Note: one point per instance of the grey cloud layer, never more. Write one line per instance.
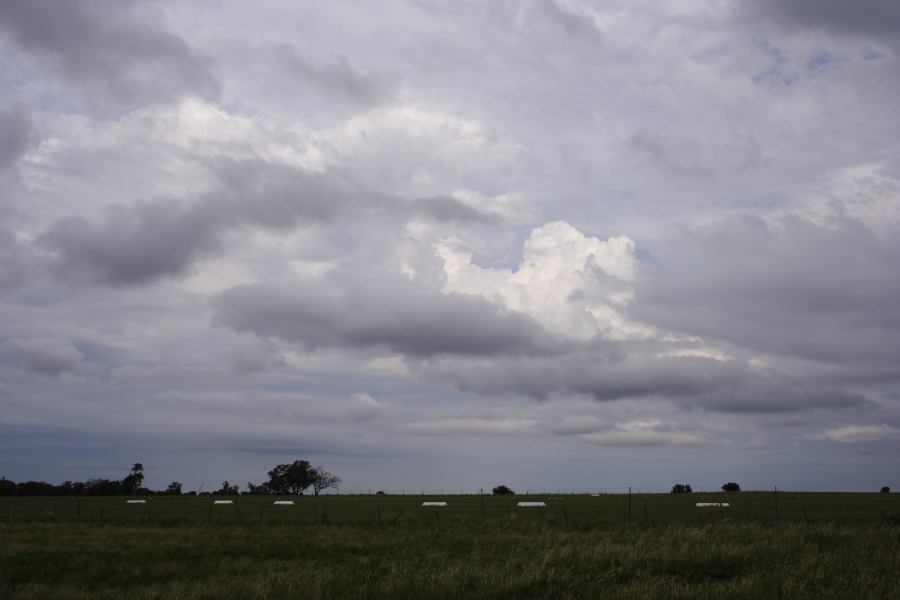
(109, 50)
(16, 132)
(290, 223)
(366, 310)
(791, 288)
(861, 17)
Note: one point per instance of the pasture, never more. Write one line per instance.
(819, 546)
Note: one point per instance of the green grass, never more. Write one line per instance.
(606, 509)
(467, 550)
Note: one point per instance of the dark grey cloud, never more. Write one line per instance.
(17, 261)
(146, 241)
(135, 244)
(864, 17)
(446, 209)
(792, 288)
(16, 134)
(117, 53)
(359, 310)
(43, 356)
(689, 381)
(337, 77)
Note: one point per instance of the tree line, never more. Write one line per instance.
(288, 479)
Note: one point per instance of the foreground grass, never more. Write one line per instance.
(448, 560)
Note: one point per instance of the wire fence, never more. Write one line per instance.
(554, 507)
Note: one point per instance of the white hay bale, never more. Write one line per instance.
(283, 503)
(135, 502)
(223, 501)
(531, 504)
(712, 504)
(434, 504)
(595, 495)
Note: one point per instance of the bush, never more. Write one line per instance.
(379, 493)
(885, 490)
(502, 490)
(682, 488)
(731, 487)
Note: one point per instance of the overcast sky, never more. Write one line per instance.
(446, 245)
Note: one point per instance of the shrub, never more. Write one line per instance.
(502, 490)
(885, 490)
(682, 488)
(731, 487)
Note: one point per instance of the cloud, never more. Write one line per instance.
(569, 282)
(44, 356)
(789, 287)
(358, 310)
(862, 17)
(471, 426)
(134, 244)
(16, 134)
(145, 241)
(335, 78)
(646, 433)
(860, 433)
(115, 53)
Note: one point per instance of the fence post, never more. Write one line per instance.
(805, 516)
(629, 504)
(78, 509)
(776, 502)
(483, 509)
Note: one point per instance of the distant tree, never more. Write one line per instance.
(502, 490)
(322, 479)
(7, 487)
(731, 487)
(103, 487)
(132, 482)
(228, 489)
(885, 490)
(291, 478)
(258, 490)
(35, 488)
(682, 488)
(174, 489)
(380, 493)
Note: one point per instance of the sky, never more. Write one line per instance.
(435, 245)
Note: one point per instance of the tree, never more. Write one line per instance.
(682, 488)
(291, 479)
(322, 479)
(258, 490)
(7, 487)
(228, 489)
(132, 482)
(174, 489)
(502, 490)
(731, 487)
(885, 490)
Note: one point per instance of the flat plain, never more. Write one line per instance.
(822, 545)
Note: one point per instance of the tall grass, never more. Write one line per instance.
(448, 559)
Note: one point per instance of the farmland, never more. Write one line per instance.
(819, 545)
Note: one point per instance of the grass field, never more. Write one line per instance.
(845, 546)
